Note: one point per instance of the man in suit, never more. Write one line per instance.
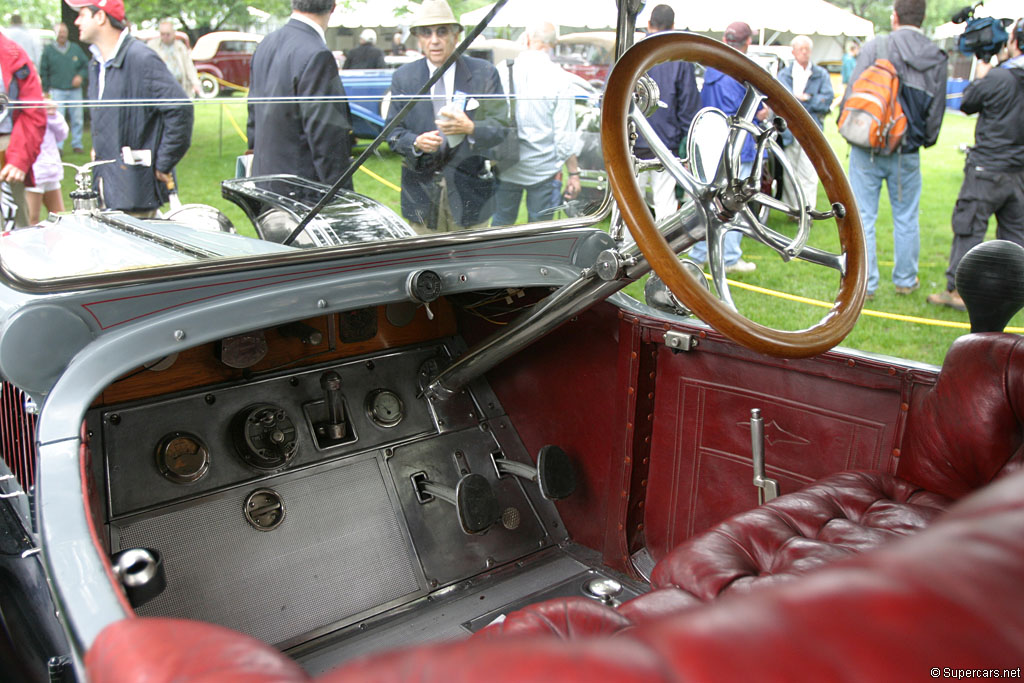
(309, 136)
(447, 183)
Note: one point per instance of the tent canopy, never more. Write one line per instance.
(593, 14)
(810, 17)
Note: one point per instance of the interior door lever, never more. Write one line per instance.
(767, 489)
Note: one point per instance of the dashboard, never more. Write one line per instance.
(294, 480)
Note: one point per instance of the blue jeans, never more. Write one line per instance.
(540, 198)
(733, 252)
(902, 175)
(72, 112)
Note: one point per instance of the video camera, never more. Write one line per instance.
(983, 37)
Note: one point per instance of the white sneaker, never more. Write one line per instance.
(741, 266)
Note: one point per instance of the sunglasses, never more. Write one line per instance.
(442, 31)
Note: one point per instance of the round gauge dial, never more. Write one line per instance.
(243, 350)
(265, 436)
(424, 286)
(385, 407)
(183, 458)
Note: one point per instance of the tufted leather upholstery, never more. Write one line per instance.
(840, 515)
(969, 429)
(948, 597)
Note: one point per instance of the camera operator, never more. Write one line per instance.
(994, 172)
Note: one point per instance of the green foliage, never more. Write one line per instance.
(34, 13)
(202, 16)
(938, 11)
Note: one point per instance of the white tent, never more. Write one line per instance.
(1009, 9)
(829, 26)
(593, 14)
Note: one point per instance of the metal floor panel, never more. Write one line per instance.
(442, 619)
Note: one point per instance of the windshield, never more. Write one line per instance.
(249, 131)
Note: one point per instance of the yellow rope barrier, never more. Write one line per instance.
(383, 181)
(866, 311)
(234, 124)
(732, 283)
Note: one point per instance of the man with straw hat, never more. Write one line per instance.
(447, 184)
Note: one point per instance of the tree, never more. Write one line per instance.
(202, 16)
(938, 12)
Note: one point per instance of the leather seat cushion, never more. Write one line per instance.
(838, 516)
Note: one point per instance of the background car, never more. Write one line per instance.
(222, 61)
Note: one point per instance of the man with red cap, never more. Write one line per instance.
(21, 130)
(157, 137)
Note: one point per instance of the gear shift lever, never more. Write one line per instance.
(335, 426)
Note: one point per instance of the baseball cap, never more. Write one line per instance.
(113, 8)
(737, 32)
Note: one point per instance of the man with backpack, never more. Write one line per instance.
(994, 171)
(921, 70)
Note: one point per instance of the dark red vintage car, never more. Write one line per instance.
(330, 448)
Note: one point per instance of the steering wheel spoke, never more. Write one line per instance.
(725, 199)
(669, 161)
(751, 226)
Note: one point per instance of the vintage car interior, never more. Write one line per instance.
(340, 451)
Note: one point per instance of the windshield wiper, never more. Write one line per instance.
(329, 195)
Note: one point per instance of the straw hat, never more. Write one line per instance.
(434, 13)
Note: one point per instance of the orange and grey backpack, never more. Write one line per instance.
(872, 116)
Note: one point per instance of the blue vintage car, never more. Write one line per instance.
(366, 89)
(314, 444)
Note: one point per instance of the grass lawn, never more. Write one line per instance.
(218, 139)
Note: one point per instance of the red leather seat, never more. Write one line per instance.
(947, 598)
(938, 589)
(963, 433)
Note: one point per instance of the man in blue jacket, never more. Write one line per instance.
(308, 133)
(447, 184)
(123, 68)
(726, 93)
(810, 84)
(677, 88)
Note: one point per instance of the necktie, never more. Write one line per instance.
(439, 97)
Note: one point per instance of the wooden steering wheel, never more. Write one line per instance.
(615, 139)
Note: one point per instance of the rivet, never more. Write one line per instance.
(179, 335)
(321, 303)
(895, 452)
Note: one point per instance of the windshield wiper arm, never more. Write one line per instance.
(436, 76)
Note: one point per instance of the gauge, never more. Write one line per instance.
(423, 286)
(264, 436)
(243, 350)
(429, 371)
(183, 458)
(384, 407)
